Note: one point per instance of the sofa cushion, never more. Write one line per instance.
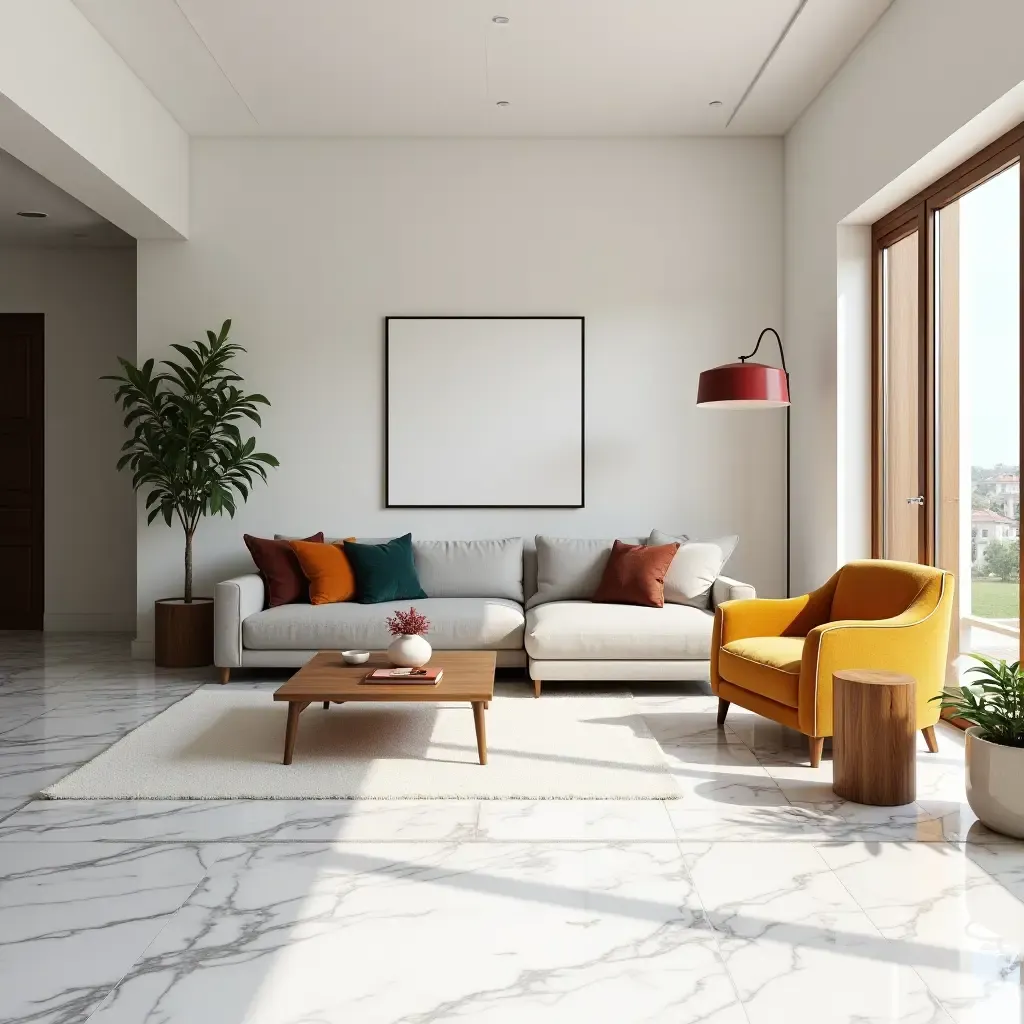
(456, 623)
(471, 568)
(582, 630)
(768, 665)
(695, 567)
(570, 568)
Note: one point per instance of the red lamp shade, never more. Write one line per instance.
(743, 386)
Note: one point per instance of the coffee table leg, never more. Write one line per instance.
(292, 727)
(481, 730)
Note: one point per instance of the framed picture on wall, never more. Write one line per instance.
(484, 411)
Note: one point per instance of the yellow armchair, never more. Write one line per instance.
(776, 658)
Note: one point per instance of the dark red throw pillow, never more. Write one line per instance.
(283, 581)
(635, 574)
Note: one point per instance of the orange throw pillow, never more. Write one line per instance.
(635, 574)
(327, 569)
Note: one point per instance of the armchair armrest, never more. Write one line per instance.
(233, 602)
(914, 642)
(725, 589)
(791, 616)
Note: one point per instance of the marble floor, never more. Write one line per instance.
(757, 897)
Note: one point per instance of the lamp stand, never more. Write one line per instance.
(782, 356)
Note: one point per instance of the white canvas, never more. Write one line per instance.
(485, 411)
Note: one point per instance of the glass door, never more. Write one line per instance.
(976, 267)
(947, 392)
(902, 531)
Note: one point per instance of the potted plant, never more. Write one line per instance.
(408, 649)
(995, 743)
(187, 452)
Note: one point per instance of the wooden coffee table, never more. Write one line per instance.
(468, 676)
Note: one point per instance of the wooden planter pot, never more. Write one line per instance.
(184, 632)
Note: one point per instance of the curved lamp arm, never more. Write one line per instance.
(782, 351)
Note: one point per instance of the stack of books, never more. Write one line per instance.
(426, 676)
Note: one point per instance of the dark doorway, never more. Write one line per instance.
(21, 471)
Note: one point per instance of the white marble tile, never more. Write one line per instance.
(1002, 861)
(74, 917)
(682, 724)
(574, 821)
(713, 774)
(795, 943)
(491, 933)
(771, 742)
(9, 805)
(251, 821)
(961, 930)
(805, 822)
(735, 823)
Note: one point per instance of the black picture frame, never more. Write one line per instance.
(388, 503)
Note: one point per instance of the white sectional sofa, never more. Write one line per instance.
(486, 595)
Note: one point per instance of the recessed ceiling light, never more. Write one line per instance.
(32, 214)
(500, 19)
(715, 103)
(502, 103)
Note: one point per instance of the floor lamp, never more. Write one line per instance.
(746, 385)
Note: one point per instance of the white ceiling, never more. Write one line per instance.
(68, 222)
(438, 67)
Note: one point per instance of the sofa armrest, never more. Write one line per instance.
(233, 602)
(725, 589)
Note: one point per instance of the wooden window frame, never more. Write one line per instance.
(918, 214)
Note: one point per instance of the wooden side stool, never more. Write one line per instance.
(874, 715)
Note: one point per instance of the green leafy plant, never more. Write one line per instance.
(996, 704)
(186, 449)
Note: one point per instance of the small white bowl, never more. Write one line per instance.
(355, 657)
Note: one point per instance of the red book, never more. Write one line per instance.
(423, 676)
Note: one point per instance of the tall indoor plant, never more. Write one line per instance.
(995, 742)
(187, 453)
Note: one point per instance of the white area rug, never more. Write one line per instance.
(218, 744)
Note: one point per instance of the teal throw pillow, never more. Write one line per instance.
(384, 572)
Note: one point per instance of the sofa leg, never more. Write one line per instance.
(815, 744)
(931, 739)
(723, 710)
(225, 675)
(536, 687)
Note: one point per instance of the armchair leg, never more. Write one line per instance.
(931, 739)
(723, 710)
(815, 744)
(225, 674)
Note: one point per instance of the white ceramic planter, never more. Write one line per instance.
(994, 789)
(409, 651)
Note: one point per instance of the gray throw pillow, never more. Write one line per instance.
(696, 566)
(569, 568)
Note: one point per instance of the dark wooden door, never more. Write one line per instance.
(21, 471)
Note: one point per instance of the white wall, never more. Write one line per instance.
(72, 110)
(923, 73)
(672, 249)
(88, 299)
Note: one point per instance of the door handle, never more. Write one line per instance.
(919, 500)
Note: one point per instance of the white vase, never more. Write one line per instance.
(994, 789)
(409, 651)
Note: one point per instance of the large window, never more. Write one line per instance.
(947, 402)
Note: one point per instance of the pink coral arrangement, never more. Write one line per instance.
(410, 623)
